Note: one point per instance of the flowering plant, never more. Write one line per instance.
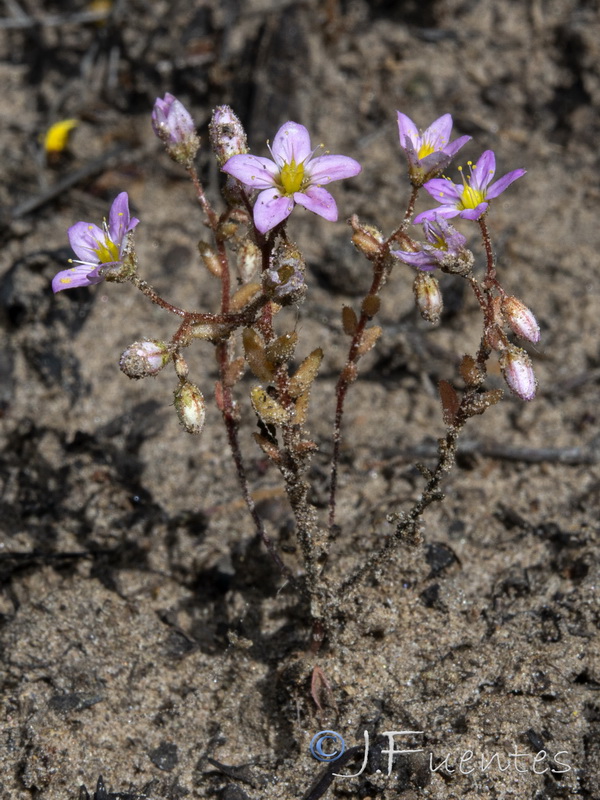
(430, 152)
(101, 251)
(471, 198)
(293, 176)
(444, 245)
(272, 275)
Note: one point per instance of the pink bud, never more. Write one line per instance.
(190, 407)
(428, 296)
(174, 126)
(520, 319)
(518, 373)
(143, 359)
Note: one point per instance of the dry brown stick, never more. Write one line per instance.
(587, 454)
(95, 166)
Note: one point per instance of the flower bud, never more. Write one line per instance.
(174, 126)
(227, 135)
(520, 319)
(190, 407)
(428, 296)
(518, 372)
(142, 359)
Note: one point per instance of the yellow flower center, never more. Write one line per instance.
(439, 242)
(425, 150)
(291, 177)
(107, 251)
(471, 197)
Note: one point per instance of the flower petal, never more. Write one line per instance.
(504, 182)
(438, 133)
(160, 111)
(332, 168)
(434, 163)
(452, 149)
(85, 238)
(271, 208)
(407, 129)
(252, 171)
(119, 220)
(444, 191)
(421, 260)
(319, 201)
(291, 143)
(79, 275)
(171, 120)
(447, 212)
(483, 171)
(474, 213)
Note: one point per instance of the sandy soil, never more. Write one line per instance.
(145, 636)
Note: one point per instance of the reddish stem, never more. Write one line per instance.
(211, 216)
(487, 243)
(344, 381)
(228, 406)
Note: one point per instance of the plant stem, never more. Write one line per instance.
(380, 272)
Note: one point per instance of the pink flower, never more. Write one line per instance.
(100, 250)
(470, 199)
(291, 177)
(444, 245)
(430, 152)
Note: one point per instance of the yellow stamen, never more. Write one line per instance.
(107, 251)
(291, 177)
(440, 243)
(471, 197)
(425, 150)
